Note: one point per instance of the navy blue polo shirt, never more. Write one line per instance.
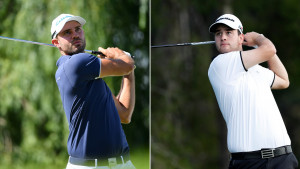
(94, 123)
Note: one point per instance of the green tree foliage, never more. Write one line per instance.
(187, 130)
(33, 126)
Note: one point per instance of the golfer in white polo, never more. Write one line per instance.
(257, 137)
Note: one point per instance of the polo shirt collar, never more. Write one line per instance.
(62, 59)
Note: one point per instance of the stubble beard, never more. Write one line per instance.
(76, 48)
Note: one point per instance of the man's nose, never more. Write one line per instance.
(75, 34)
(223, 36)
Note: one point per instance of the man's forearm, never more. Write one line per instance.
(277, 67)
(126, 96)
(115, 62)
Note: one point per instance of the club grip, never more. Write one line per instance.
(94, 52)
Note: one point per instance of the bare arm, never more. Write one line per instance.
(125, 100)
(265, 51)
(115, 62)
(281, 76)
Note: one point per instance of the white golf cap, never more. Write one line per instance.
(59, 22)
(229, 20)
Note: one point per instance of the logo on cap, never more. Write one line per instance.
(61, 19)
(225, 18)
(240, 28)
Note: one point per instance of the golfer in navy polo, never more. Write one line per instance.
(94, 114)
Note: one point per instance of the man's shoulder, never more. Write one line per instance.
(62, 60)
(223, 58)
(81, 59)
(73, 58)
(81, 56)
(77, 63)
(229, 54)
(226, 63)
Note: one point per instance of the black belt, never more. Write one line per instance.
(99, 162)
(263, 153)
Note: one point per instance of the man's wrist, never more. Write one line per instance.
(259, 39)
(129, 75)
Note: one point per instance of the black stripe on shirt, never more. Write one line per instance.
(273, 80)
(242, 61)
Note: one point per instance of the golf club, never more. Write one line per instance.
(184, 44)
(46, 44)
(190, 44)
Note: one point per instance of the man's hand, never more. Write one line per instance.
(264, 52)
(115, 62)
(112, 53)
(253, 39)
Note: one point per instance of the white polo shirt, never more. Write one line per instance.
(247, 104)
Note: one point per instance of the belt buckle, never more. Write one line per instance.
(112, 162)
(267, 153)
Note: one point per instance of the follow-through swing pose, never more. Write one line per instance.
(257, 137)
(94, 114)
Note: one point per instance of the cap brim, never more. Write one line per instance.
(213, 27)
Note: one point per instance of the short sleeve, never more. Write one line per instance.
(266, 74)
(99, 67)
(82, 67)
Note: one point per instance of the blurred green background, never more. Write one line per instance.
(187, 129)
(33, 126)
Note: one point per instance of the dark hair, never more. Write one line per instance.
(213, 29)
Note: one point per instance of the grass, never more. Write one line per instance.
(138, 156)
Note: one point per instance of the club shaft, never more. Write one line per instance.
(46, 44)
(184, 44)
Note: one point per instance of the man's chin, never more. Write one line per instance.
(75, 52)
(225, 50)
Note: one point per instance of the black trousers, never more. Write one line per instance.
(287, 161)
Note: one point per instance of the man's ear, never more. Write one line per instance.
(55, 42)
(241, 38)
